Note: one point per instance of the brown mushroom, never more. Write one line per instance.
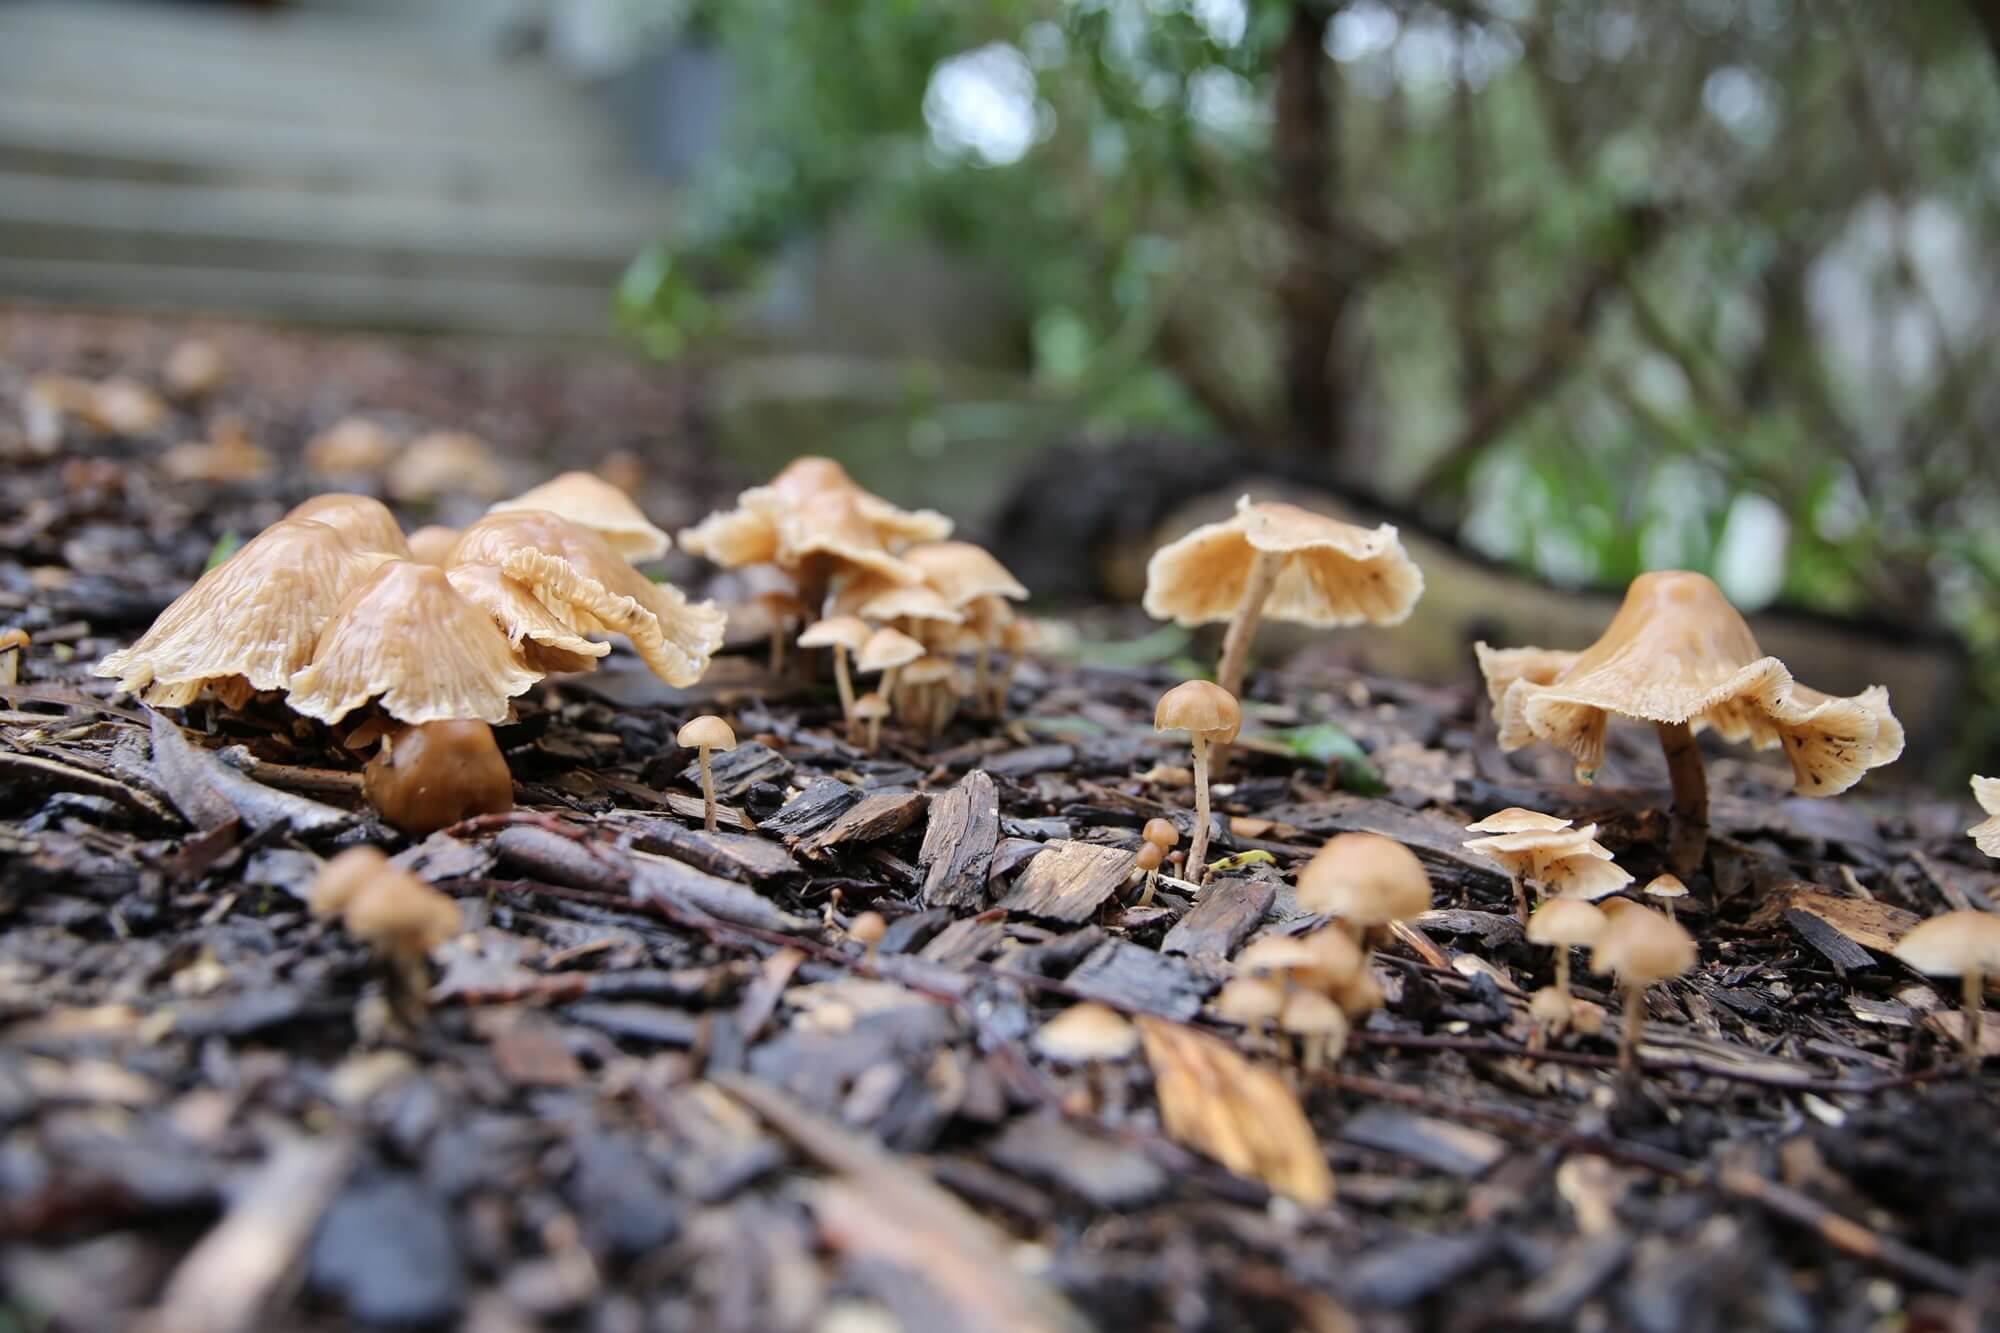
(1666, 890)
(14, 641)
(366, 521)
(1640, 947)
(1085, 1034)
(432, 775)
(195, 368)
(1281, 561)
(1210, 716)
(1551, 1009)
(706, 734)
(1963, 944)
(228, 455)
(1319, 1023)
(592, 502)
(341, 877)
(1564, 924)
(843, 634)
(1537, 849)
(886, 651)
(868, 930)
(1150, 858)
(926, 694)
(401, 919)
(1678, 655)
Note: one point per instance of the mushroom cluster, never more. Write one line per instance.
(1545, 852)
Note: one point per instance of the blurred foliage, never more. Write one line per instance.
(1619, 283)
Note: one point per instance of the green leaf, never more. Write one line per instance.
(225, 546)
(1327, 745)
(1164, 643)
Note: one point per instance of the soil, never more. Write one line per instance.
(656, 1085)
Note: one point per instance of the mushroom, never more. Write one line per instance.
(14, 641)
(1320, 1025)
(867, 928)
(1210, 715)
(575, 573)
(256, 616)
(886, 651)
(1641, 947)
(1564, 924)
(872, 708)
(1366, 880)
(194, 368)
(405, 636)
(1150, 858)
(1253, 1001)
(401, 919)
(1667, 889)
(777, 597)
(432, 544)
(1086, 1033)
(1678, 655)
(976, 585)
(706, 734)
(1986, 833)
(1551, 1009)
(1542, 850)
(1963, 944)
(1161, 836)
(926, 693)
(366, 521)
(124, 407)
(341, 877)
(351, 446)
(432, 775)
(229, 455)
(543, 641)
(843, 634)
(445, 463)
(1284, 562)
(592, 502)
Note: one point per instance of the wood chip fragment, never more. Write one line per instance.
(879, 815)
(1216, 1102)
(1870, 924)
(959, 840)
(1222, 919)
(1068, 881)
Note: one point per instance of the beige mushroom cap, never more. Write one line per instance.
(1200, 708)
(1273, 954)
(432, 543)
(1516, 820)
(576, 574)
(407, 637)
(445, 463)
(341, 877)
(814, 507)
(350, 446)
(1309, 1013)
(194, 368)
(1954, 944)
(962, 573)
(849, 632)
(1677, 651)
(1086, 1032)
(1666, 886)
(256, 615)
(880, 599)
(366, 521)
(1986, 833)
(928, 670)
(587, 499)
(887, 648)
(1587, 877)
(1250, 1001)
(1162, 832)
(544, 642)
(870, 705)
(1550, 1008)
(1334, 573)
(1642, 947)
(1566, 922)
(707, 732)
(1365, 878)
(397, 913)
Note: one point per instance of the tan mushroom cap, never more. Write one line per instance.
(544, 642)
(1309, 1013)
(1200, 708)
(1514, 819)
(1550, 1008)
(257, 616)
(430, 776)
(849, 632)
(1642, 947)
(1587, 877)
(1566, 922)
(1986, 833)
(1666, 886)
(928, 670)
(406, 637)
(1086, 1032)
(1677, 651)
(1250, 1001)
(813, 506)
(445, 463)
(887, 648)
(870, 705)
(398, 914)
(575, 574)
(707, 732)
(432, 544)
(350, 446)
(194, 368)
(1954, 944)
(962, 573)
(587, 499)
(1365, 878)
(366, 521)
(880, 599)
(1334, 573)
(1151, 856)
(1162, 833)
(342, 877)
(1325, 960)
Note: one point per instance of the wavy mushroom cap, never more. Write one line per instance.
(445, 463)
(429, 777)
(544, 642)
(1566, 922)
(1642, 947)
(961, 572)
(257, 616)
(432, 544)
(707, 732)
(813, 507)
(587, 585)
(1250, 1001)
(348, 447)
(848, 632)
(1677, 651)
(407, 638)
(881, 599)
(1570, 861)
(1333, 573)
(587, 499)
(1365, 878)
(1200, 708)
(1986, 833)
(1954, 944)
(887, 648)
(1514, 819)
(365, 520)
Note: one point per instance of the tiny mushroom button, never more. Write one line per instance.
(707, 734)
(1963, 944)
(1210, 715)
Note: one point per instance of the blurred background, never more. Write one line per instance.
(1567, 288)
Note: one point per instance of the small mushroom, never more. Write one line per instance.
(927, 694)
(1564, 924)
(1281, 561)
(14, 641)
(1210, 715)
(1160, 836)
(1963, 944)
(228, 455)
(706, 734)
(352, 446)
(1678, 655)
(1540, 850)
(871, 708)
(1253, 1001)
(1640, 947)
(845, 635)
(1666, 890)
(1319, 1023)
(341, 877)
(432, 775)
(445, 463)
(1148, 862)
(1986, 833)
(1550, 1008)
(1086, 1033)
(398, 916)
(195, 368)
(1366, 880)
(592, 502)
(867, 929)
(887, 651)
(432, 544)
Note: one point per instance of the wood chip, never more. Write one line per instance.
(532, 1055)
(1107, 1173)
(1242, 1115)
(1456, 1150)
(819, 804)
(1836, 948)
(1872, 925)
(1130, 977)
(746, 858)
(1068, 881)
(1222, 918)
(878, 815)
(736, 771)
(964, 829)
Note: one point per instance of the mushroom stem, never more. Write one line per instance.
(1635, 1017)
(1263, 576)
(1197, 861)
(874, 733)
(777, 648)
(707, 792)
(845, 685)
(1004, 683)
(1973, 1001)
(982, 680)
(1521, 899)
(1562, 968)
(1146, 894)
(1688, 839)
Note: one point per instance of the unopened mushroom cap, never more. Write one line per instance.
(867, 928)
(1151, 856)
(1333, 573)
(351, 446)
(849, 632)
(256, 615)
(1986, 833)
(587, 499)
(544, 642)
(1307, 1012)
(432, 775)
(341, 877)
(1275, 953)
(1677, 651)
(1666, 886)
(1250, 1000)
(432, 544)
(1641, 947)
(887, 648)
(962, 573)
(365, 520)
(1086, 1032)
(871, 705)
(1162, 832)
(445, 463)
(1951, 945)
(1200, 708)
(1566, 922)
(408, 638)
(1365, 878)
(1516, 820)
(707, 732)
(397, 913)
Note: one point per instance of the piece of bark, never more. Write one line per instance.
(1010, 855)
(694, 808)
(1222, 919)
(660, 878)
(541, 854)
(1872, 925)
(1240, 1114)
(964, 829)
(210, 793)
(966, 940)
(1030, 760)
(742, 857)
(1845, 955)
(1101, 1170)
(823, 801)
(737, 771)
(879, 815)
(1069, 881)
(1137, 980)
(1457, 1150)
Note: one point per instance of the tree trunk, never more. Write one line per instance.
(1311, 293)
